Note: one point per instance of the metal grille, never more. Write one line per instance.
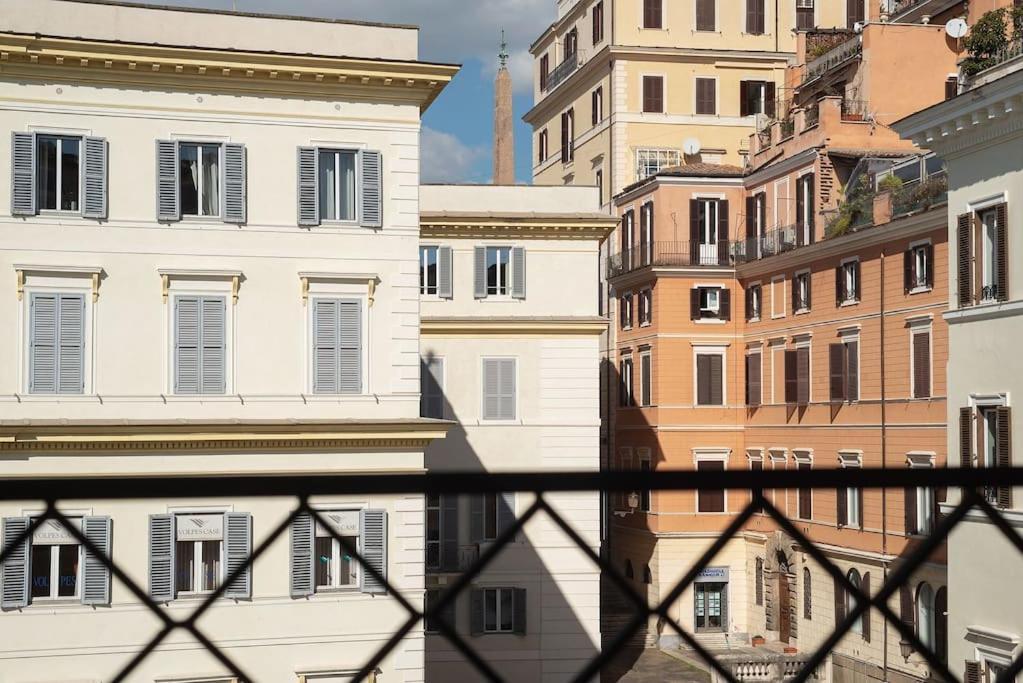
(972, 481)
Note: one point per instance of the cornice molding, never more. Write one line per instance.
(510, 228)
(482, 327)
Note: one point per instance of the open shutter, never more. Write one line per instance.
(865, 587)
(213, 354)
(235, 200)
(186, 345)
(803, 376)
(966, 438)
(912, 523)
(325, 346)
(971, 672)
(725, 304)
(852, 387)
(964, 260)
(302, 543)
(161, 557)
(723, 236)
(237, 549)
(71, 350)
(94, 177)
(809, 291)
(769, 99)
(795, 294)
(744, 109)
(518, 268)
(168, 191)
(43, 344)
(519, 611)
(444, 268)
(800, 203)
(839, 601)
(449, 533)
(371, 189)
(23, 174)
(842, 512)
(836, 371)
(475, 518)
(694, 230)
(908, 266)
(308, 186)
(1002, 252)
(907, 611)
(373, 534)
(14, 593)
(350, 349)
(1003, 450)
(749, 303)
(857, 289)
(791, 380)
(479, 271)
(476, 612)
(694, 304)
(811, 216)
(95, 575)
(922, 365)
(505, 511)
(839, 287)
(751, 224)
(929, 257)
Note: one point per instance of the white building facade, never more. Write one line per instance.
(210, 244)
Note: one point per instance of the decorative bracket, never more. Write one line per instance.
(370, 279)
(94, 274)
(201, 275)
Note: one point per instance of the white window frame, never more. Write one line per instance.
(197, 566)
(646, 303)
(850, 459)
(497, 612)
(801, 279)
(925, 519)
(710, 350)
(988, 266)
(200, 145)
(507, 284)
(60, 137)
(339, 150)
(424, 289)
(54, 570)
(597, 105)
(543, 146)
(646, 353)
(851, 274)
(775, 298)
(802, 179)
(336, 549)
(919, 255)
(625, 301)
(926, 628)
(851, 602)
(711, 455)
(757, 297)
(654, 159)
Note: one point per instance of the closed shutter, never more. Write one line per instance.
(518, 273)
(803, 376)
(325, 346)
(839, 594)
(908, 271)
(57, 344)
(694, 304)
(922, 365)
(749, 303)
(373, 535)
(1002, 252)
(161, 557)
(907, 611)
(842, 497)
(865, 587)
(43, 344)
(716, 379)
(168, 191)
(755, 17)
(705, 15)
(744, 108)
(444, 274)
(964, 260)
(966, 438)
(770, 111)
(751, 224)
(200, 353)
(800, 210)
(725, 304)
(498, 389)
(653, 94)
(791, 379)
(837, 371)
(695, 225)
(706, 96)
(839, 286)
(519, 611)
(703, 380)
(723, 232)
(235, 200)
(214, 346)
(912, 524)
(853, 13)
(852, 389)
(476, 612)
(94, 178)
(432, 390)
(237, 550)
(371, 190)
(652, 10)
(479, 271)
(23, 174)
(186, 345)
(302, 543)
(350, 351)
(476, 518)
(14, 592)
(971, 672)
(505, 511)
(795, 294)
(71, 350)
(1003, 450)
(95, 574)
(811, 216)
(449, 533)
(645, 380)
(753, 381)
(308, 187)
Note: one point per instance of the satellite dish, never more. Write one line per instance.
(956, 28)
(691, 146)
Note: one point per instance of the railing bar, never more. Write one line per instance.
(218, 654)
(143, 653)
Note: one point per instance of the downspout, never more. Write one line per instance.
(884, 465)
(777, 45)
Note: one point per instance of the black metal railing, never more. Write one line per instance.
(680, 254)
(772, 242)
(562, 71)
(751, 486)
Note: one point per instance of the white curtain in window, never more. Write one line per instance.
(347, 187)
(211, 181)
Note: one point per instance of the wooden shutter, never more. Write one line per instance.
(645, 393)
(168, 190)
(476, 612)
(853, 13)
(161, 557)
(694, 304)
(800, 203)
(837, 371)
(325, 346)
(839, 594)
(237, 549)
(912, 522)
(964, 259)
(303, 541)
(705, 20)
(794, 293)
(350, 347)
(725, 304)
(703, 380)
(545, 68)
(751, 224)
(755, 17)
(839, 286)
(479, 272)
(842, 511)
(966, 438)
(95, 575)
(653, 94)
(373, 536)
(1003, 450)
(652, 10)
(852, 373)
(857, 285)
(308, 186)
(791, 382)
(907, 610)
(505, 511)
(706, 96)
(748, 294)
(371, 189)
(723, 232)
(929, 258)
(518, 273)
(865, 587)
(449, 532)
(971, 672)
(14, 589)
(922, 365)
(476, 518)
(519, 611)
(908, 270)
(744, 108)
(23, 174)
(716, 380)
(809, 198)
(235, 181)
(694, 230)
(803, 376)
(769, 101)
(1002, 252)
(951, 87)
(754, 379)
(444, 281)
(94, 178)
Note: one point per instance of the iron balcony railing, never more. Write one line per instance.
(752, 488)
(772, 242)
(562, 71)
(680, 254)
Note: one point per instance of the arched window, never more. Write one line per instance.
(647, 576)
(941, 624)
(628, 569)
(807, 599)
(759, 581)
(925, 614)
(850, 600)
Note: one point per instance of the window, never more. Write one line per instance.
(56, 341)
(993, 443)
(843, 369)
(433, 531)
(804, 15)
(708, 231)
(646, 307)
(753, 379)
(855, 13)
(805, 209)
(847, 284)
(198, 553)
(625, 311)
(759, 580)
(337, 346)
(756, 97)
(597, 100)
(850, 499)
(653, 11)
(653, 94)
(705, 15)
(627, 231)
(646, 233)
(491, 515)
(431, 379)
(498, 259)
(710, 500)
(499, 389)
(625, 395)
(598, 22)
(650, 162)
(644, 466)
(921, 363)
(710, 379)
(645, 380)
(804, 504)
(431, 622)
(921, 509)
(568, 136)
(851, 602)
(542, 146)
(335, 566)
(925, 617)
(598, 179)
(807, 594)
(499, 610)
(571, 44)
(797, 376)
(428, 270)
(710, 302)
(200, 345)
(754, 302)
(801, 292)
(917, 275)
(951, 87)
(988, 241)
(706, 96)
(58, 172)
(55, 562)
(199, 179)
(755, 17)
(545, 70)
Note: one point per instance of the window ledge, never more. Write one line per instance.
(645, 324)
(850, 302)
(985, 311)
(920, 290)
(802, 311)
(55, 602)
(754, 320)
(710, 321)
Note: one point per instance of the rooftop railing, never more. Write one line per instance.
(841, 53)
(680, 254)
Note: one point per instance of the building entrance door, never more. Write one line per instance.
(710, 603)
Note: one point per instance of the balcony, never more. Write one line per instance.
(670, 254)
(562, 71)
(848, 49)
(913, 11)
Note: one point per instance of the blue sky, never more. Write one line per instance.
(458, 128)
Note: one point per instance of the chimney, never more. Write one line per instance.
(504, 136)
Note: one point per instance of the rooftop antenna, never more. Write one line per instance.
(503, 55)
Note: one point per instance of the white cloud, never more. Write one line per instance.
(446, 159)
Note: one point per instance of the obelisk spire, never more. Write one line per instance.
(504, 135)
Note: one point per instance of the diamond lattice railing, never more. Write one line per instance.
(54, 491)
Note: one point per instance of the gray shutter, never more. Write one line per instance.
(350, 349)
(373, 534)
(186, 345)
(95, 574)
(237, 549)
(479, 270)
(507, 400)
(42, 363)
(444, 272)
(519, 611)
(518, 263)
(161, 557)
(498, 389)
(168, 191)
(371, 190)
(865, 587)
(432, 389)
(505, 511)
(475, 518)
(325, 345)
(302, 542)
(235, 181)
(449, 533)
(476, 612)
(94, 186)
(15, 568)
(71, 348)
(308, 186)
(23, 174)
(213, 349)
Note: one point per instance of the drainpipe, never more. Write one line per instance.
(884, 465)
(777, 45)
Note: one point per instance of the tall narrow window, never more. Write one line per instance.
(653, 94)
(917, 268)
(804, 15)
(921, 375)
(710, 500)
(498, 270)
(847, 283)
(200, 345)
(807, 594)
(568, 136)
(598, 105)
(598, 22)
(855, 13)
(571, 44)
(709, 379)
(646, 233)
(706, 19)
(645, 380)
(625, 311)
(58, 174)
(545, 70)
(756, 97)
(653, 11)
(542, 146)
(646, 307)
(56, 344)
(337, 185)
(337, 346)
(499, 389)
(755, 17)
(431, 380)
(801, 292)
(625, 395)
(706, 96)
(428, 270)
(805, 500)
(644, 467)
(200, 179)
